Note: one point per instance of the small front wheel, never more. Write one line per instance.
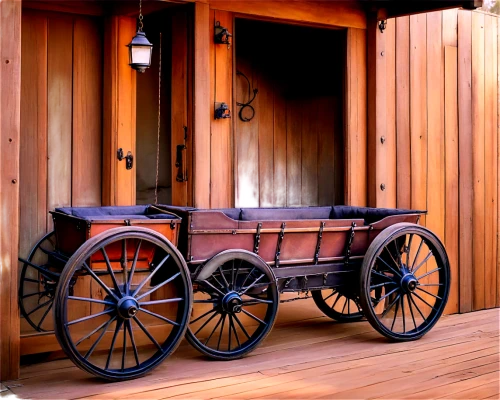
(405, 281)
(137, 307)
(338, 304)
(235, 305)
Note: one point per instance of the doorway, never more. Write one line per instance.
(289, 115)
(162, 110)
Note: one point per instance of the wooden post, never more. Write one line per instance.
(10, 99)
(203, 106)
(119, 113)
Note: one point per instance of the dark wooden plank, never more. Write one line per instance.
(490, 158)
(328, 132)
(478, 172)
(465, 160)
(279, 147)
(294, 153)
(10, 97)
(403, 112)
(87, 113)
(309, 164)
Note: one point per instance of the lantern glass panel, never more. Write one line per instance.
(141, 55)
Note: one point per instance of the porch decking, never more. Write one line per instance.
(306, 356)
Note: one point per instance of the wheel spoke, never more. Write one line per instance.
(382, 275)
(40, 306)
(423, 300)
(119, 324)
(430, 294)
(428, 273)
(124, 263)
(411, 312)
(389, 267)
(333, 293)
(392, 257)
(232, 285)
(90, 300)
(381, 284)
(221, 331)
(408, 250)
(255, 301)
(386, 311)
(213, 287)
(252, 285)
(345, 304)
(253, 316)
(100, 314)
(105, 323)
(163, 301)
(246, 278)
(431, 284)
(124, 352)
(218, 282)
(34, 294)
(206, 322)
(241, 326)
(132, 269)
(206, 301)
(44, 316)
(418, 252)
(158, 286)
(416, 306)
(153, 340)
(236, 274)
(336, 300)
(229, 332)
(234, 330)
(395, 314)
(403, 312)
(211, 334)
(204, 315)
(150, 275)
(159, 317)
(386, 295)
(110, 270)
(422, 263)
(132, 341)
(31, 280)
(226, 283)
(100, 282)
(91, 350)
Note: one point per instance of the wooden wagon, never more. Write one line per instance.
(126, 283)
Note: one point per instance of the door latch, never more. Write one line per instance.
(181, 170)
(129, 158)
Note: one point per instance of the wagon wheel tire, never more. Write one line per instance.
(132, 347)
(327, 300)
(34, 283)
(240, 305)
(405, 282)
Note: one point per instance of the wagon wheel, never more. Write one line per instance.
(235, 305)
(405, 280)
(137, 310)
(38, 283)
(338, 304)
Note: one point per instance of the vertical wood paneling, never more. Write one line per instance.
(279, 146)
(498, 169)
(202, 106)
(33, 157)
(10, 93)
(179, 106)
(390, 144)
(327, 148)
(356, 124)
(435, 125)
(60, 112)
(451, 180)
(294, 154)
(418, 112)
(87, 115)
(465, 158)
(309, 162)
(490, 159)
(403, 112)
(221, 189)
(478, 159)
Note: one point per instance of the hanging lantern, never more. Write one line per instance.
(140, 49)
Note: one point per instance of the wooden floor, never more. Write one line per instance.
(306, 356)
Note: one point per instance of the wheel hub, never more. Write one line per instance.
(409, 283)
(127, 307)
(232, 303)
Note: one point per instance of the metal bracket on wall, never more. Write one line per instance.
(129, 158)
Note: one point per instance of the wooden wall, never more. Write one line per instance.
(61, 119)
(437, 109)
(291, 152)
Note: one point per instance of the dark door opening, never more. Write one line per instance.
(289, 140)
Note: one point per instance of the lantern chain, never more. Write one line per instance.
(159, 115)
(141, 25)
